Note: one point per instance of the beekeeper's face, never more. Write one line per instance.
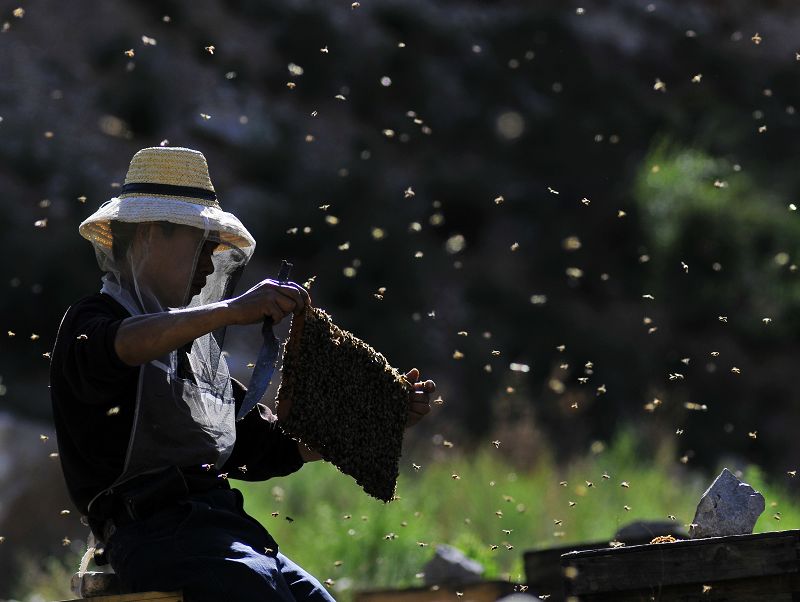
(174, 262)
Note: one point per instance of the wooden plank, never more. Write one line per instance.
(776, 588)
(487, 591)
(138, 597)
(685, 562)
(543, 572)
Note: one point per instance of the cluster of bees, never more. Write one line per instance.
(347, 402)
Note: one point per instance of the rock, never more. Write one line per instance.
(450, 566)
(520, 597)
(32, 497)
(728, 507)
(643, 531)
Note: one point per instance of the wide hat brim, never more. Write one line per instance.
(156, 208)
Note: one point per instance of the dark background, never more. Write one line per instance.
(544, 104)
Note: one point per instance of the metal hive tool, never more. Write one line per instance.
(341, 397)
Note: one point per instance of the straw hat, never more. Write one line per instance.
(167, 184)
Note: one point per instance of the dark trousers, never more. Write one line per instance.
(209, 548)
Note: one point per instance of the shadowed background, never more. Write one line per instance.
(615, 177)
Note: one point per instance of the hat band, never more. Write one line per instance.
(191, 192)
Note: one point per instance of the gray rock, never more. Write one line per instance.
(641, 532)
(520, 597)
(728, 507)
(450, 566)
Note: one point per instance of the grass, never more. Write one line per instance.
(337, 532)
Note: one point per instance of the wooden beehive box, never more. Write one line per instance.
(738, 568)
(487, 591)
(543, 573)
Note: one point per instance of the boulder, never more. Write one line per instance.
(450, 566)
(728, 507)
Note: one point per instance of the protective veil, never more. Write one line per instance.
(164, 243)
(184, 405)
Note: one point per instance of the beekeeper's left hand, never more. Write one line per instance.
(419, 399)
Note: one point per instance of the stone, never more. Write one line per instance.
(520, 597)
(728, 507)
(450, 566)
(643, 531)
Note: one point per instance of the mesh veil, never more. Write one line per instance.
(185, 413)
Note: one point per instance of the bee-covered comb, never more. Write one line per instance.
(341, 397)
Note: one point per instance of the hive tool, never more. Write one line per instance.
(267, 358)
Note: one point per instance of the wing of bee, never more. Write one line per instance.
(341, 397)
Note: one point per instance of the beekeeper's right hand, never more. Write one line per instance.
(268, 299)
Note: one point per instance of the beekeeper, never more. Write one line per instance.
(144, 405)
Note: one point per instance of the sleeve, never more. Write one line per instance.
(261, 448)
(90, 363)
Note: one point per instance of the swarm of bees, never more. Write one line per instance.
(341, 397)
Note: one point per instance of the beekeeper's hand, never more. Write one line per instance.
(269, 299)
(143, 338)
(419, 399)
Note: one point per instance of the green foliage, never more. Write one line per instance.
(47, 579)
(706, 211)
